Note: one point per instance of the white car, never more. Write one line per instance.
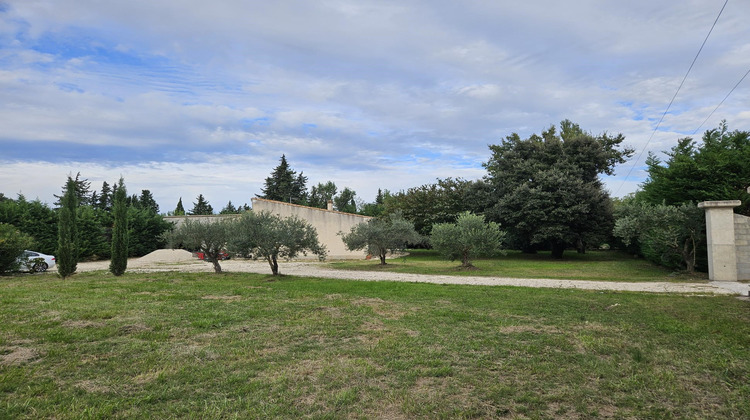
(36, 262)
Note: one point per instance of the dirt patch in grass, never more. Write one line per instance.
(16, 355)
(383, 308)
(92, 386)
(83, 324)
(227, 298)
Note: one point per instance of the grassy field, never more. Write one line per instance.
(594, 265)
(181, 345)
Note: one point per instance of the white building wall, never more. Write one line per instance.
(327, 223)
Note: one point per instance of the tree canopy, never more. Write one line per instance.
(271, 237)
(285, 184)
(717, 168)
(201, 207)
(382, 235)
(546, 189)
(470, 237)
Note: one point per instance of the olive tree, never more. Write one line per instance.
(664, 234)
(470, 237)
(271, 237)
(208, 237)
(382, 235)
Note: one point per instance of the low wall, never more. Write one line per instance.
(327, 223)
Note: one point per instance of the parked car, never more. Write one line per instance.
(35, 262)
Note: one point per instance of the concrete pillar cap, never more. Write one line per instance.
(719, 204)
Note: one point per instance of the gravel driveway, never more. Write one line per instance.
(178, 260)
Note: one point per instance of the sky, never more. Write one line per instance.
(188, 97)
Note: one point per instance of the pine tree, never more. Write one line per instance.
(147, 202)
(201, 207)
(229, 209)
(179, 210)
(119, 261)
(285, 185)
(67, 233)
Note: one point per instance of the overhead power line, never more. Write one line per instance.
(722, 101)
(673, 98)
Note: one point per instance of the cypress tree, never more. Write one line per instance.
(119, 261)
(179, 210)
(67, 231)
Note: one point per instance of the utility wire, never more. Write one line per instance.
(673, 98)
(722, 101)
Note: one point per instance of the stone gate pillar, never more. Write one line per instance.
(722, 253)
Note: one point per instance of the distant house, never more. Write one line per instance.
(327, 222)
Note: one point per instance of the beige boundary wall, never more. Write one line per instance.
(328, 223)
(728, 239)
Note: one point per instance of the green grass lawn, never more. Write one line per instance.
(594, 265)
(182, 345)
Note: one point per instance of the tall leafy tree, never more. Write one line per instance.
(345, 201)
(322, 193)
(434, 203)
(382, 236)
(119, 261)
(67, 236)
(717, 168)
(201, 207)
(546, 189)
(285, 184)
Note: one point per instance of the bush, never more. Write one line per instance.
(470, 237)
(12, 243)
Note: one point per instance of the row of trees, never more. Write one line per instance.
(94, 217)
(285, 184)
(258, 235)
(661, 220)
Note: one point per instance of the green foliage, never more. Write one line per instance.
(67, 228)
(268, 236)
(345, 202)
(546, 189)
(320, 195)
(469, 238)
(12, 243)
(201, 207)
(229, 209)
(716, 169)
(285, 185)
(33, 218)
(145, 231)
(667, 235)
(383, 235)
(435, 203)
(179, 210)
(146, 202)
(208, 237)
(93, 233)
(119, 261)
